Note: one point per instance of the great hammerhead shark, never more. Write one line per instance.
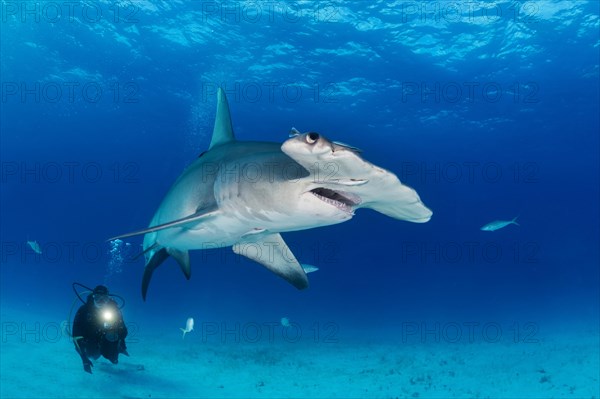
(245, 193)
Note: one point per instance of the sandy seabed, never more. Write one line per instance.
(560, 365)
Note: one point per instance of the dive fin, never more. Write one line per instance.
(223, 130)
(274, 254)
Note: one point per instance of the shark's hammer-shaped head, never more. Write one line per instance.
(321, 158)
(341, 178)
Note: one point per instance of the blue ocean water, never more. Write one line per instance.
(489, 110)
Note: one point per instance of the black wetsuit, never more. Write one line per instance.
(93, 336)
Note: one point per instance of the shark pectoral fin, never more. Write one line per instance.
(194, 218)
(157, 258)
(273, 253)
(183, 258)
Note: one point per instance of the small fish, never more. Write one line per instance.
(309, 268)
(498, 224)
(189, 326)
(35, 246)
(285, 322)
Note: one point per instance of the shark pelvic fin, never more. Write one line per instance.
(155, 261)
(223, 130)
(183, 258)
(277, 258)
(145, 251)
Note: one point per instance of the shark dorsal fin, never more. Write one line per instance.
(223, 131)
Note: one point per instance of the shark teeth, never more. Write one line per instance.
(342, 201)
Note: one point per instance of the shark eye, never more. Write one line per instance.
(311, 138)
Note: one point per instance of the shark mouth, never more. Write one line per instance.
(341, 200)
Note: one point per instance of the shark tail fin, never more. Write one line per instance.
(514, 221)
(182, 330)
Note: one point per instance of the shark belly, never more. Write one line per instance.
(227, 231)
(222, 231)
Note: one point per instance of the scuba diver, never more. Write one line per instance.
(98, 327)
